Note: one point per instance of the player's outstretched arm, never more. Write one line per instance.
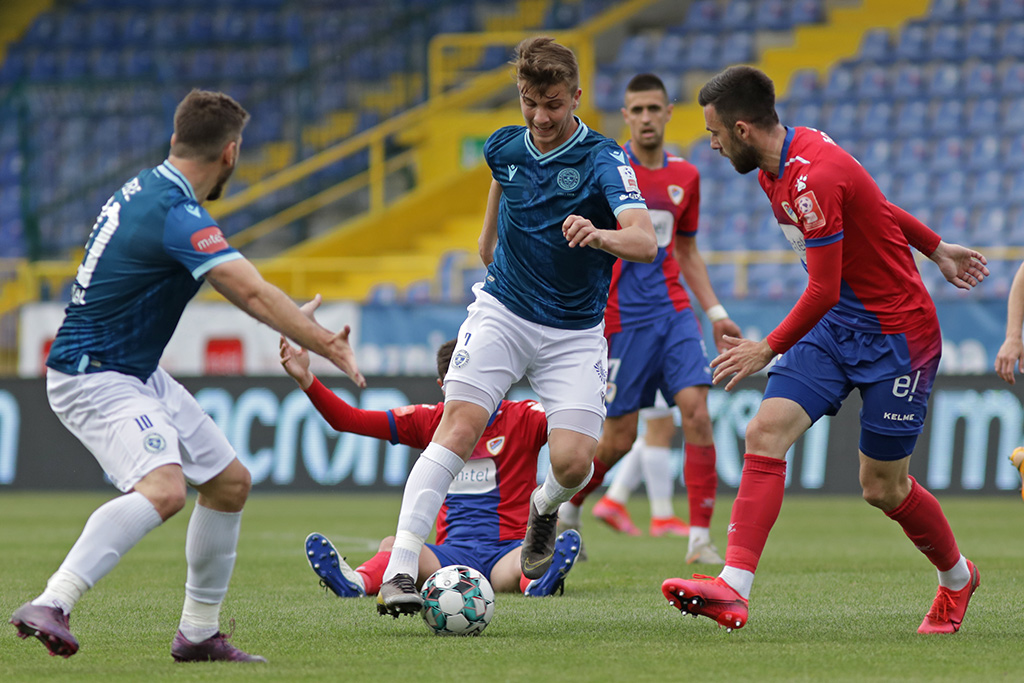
(959, 265)
(296, 363)
(241, 284)
(633, 241)
(1011, 353)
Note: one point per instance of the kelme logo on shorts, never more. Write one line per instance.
(461, 358)
(568, 179)
(154, 443)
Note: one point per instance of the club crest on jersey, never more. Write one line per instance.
(809, 210)
(209, 240)
(676, 193)
(495, 445)
(568, 179)
(790, 212)
(154, 443)
(461, 358)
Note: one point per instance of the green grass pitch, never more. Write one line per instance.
(838, 597)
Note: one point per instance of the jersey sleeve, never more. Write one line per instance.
(918, 235)
(617, 179)
(194, 239)
(819, 205)
(414, 425)
(345, 418)
(492, 147)
(690, 216)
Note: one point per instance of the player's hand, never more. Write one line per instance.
(959, 265)
(580, 232)
(341, 354)
(1009, 358)
(741, 358)
(295, 361)
(725, 328)
(309, 308)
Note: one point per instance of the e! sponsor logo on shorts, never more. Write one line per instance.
(154, 443)
(209, 240)
(461, 358)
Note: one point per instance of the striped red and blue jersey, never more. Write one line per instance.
(643, 292)
(490, 498)
(822, 196)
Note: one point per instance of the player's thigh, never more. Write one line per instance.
(207, 451)
(507, 572)
(119, 419)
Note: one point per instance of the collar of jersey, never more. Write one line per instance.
(167, 170)
(544, 157)
(632, 157)
(785, 150)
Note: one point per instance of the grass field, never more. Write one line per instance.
(838, 597)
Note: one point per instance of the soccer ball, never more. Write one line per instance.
(457, 601)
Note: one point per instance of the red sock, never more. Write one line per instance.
(373, 571)
(600, 469)
(926, 526)
(701, 483)
(523, 583)
(756, 508)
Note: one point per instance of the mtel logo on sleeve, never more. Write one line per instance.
(209, 240)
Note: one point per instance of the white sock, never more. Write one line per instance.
(628, 475)
(740, 580)
(551, 494)
(657, 468)
(210, 544)
(425, 489)
(569, 514)
(699, 535)
(957, 577)
(111, 531)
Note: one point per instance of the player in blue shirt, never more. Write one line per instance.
(146, 257)
(549, 240)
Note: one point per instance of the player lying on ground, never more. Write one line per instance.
(483, 519)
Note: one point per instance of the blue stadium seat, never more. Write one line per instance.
(807, 114)
(875, 155)
(953, 223)
(980, 41)
(773, 15)
(912, 43)
(72, 30)
(736, 48)
(982, 115)
(944, 80)
(1012, 120)
(263, 27)
(990, 227)
(105, 64)
(203, 67)
(841, 121)
(950, 188)
(723, 279)
(886, 182)
(911, 118)
(840, 83)
(42, 32)
(914, 188)
(1011, 44)
(635, 53)
(702, 52)
(13, 68)
(872, 83)
(199, 29)
(876, 46)
(1010, 10)
(1015, 185)
(739, 16)
(703, 16)
(136, 28)
(911, 155)
(981, 10)
(806, 12)
(804, 86)
(104, 30)
(947, 117)
(876, 119)
(669, 53)
(980, 80)
(945, 43)
(1011, 81)
(949, 152)
(908, 81)
(945, 10)
(986, 189)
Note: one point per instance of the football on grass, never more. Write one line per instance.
(457, 601)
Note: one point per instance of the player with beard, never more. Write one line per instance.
(654, 339)
(865, 321)
(147, 255)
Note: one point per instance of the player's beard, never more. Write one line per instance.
(218, 190)
(745, 158)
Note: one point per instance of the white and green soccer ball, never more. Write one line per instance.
(457, 601)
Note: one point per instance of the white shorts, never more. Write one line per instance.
(568, 369)
(132, 428)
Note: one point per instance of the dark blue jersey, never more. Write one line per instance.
(535, 273)
(145, 259)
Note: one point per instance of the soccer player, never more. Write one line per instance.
(654, 339)
(1011, 354)
(865, 321)
(147, 256)
(483, 518)
(549, 240)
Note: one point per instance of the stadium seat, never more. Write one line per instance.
(876, 47)
(949, 152)
(806, 114)
(840, 83)
(702, 52)
(875, 155)
(947, 117)
(950, 189)
(773, 15)
(945, 43)
(911, 155)
(738, 16)
(1011, 43)
(986, 189)
(806, 12)
(1011, 79)
(945, 10)
(980, 42)
(944, 80)
(841, 122)
(703, 16)
(982, 116)
(736, 48)
(914, 188)
(981, 80)
(990, 227)
(1012, 120)
(669, 53)
(804, 86)
(872, 83)
(911, 118)
(908, 81)
(1010, 10)
(635, 53)
(911, 43)
(876, 119)
(981, 10)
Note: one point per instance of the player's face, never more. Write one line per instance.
(222, 180)
(744, 156)
(647, 113)
(549, 115)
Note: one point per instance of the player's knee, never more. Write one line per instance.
(386, 545)
(571, 470)
(168, 500)
(697, 427)
(884, 494)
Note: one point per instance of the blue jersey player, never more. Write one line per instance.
(152, 246)
(549, 240)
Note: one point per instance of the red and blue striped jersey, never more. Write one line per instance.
(642, 292)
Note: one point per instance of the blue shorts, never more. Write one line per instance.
(480, 555)
(666, 355)
(820, 370)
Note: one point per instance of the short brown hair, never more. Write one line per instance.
(444, 358)
(741, 93)
(204, 122)
(645, 83)
(542, 64)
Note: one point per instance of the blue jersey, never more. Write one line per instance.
(535, 273)
(145, 259)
